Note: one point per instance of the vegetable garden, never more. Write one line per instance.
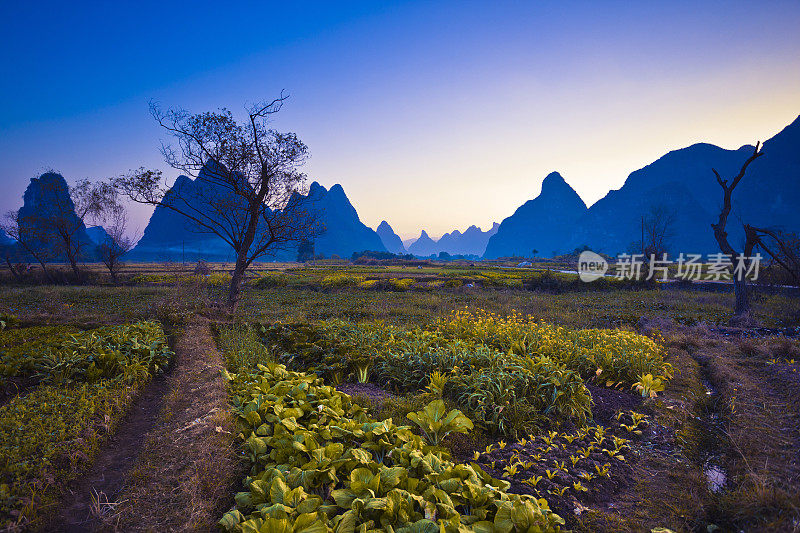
(77, 385)
(320, 460)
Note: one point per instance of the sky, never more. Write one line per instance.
(432, 115)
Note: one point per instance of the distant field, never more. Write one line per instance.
(289, 291)
(618, 407)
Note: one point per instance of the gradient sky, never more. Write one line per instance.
(431, 115)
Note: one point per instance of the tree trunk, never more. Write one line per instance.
(234, 292)
(742, 296)
(46, 272)
(14, 273)
(73, 262)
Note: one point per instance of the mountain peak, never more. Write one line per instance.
(554, 182)
(541, 224)
(390, 239)
(316, 189)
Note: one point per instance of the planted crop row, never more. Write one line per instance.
(503, 393)
(62, 354)
(509, 374)
(320, 464)
(612, 357)
(89, 378)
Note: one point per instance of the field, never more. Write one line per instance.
(400, 398)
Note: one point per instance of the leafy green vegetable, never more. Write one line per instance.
(435, 425)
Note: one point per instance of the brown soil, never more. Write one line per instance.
(372, 392)
(187, 470)
(105, 478)
(171, 465)
(606, 402)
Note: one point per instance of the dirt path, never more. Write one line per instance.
(171, 465)
(104, 480)
(184, 477)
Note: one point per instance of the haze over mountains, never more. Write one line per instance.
(555, 221)
(471, 242)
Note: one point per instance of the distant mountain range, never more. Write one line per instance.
(555, 221)
(169, 236)
(471, 242)
(682, 183)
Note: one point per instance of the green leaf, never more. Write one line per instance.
(231, 519)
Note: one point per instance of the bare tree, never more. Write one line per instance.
(658, 230)
(720, 234)
(246, 187)
(30, 240)
(116, 244)
(95, 201)
(14, 260)
(782, 247)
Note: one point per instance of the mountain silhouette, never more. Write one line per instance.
(424, 246)
(682, 181)
(543, 224)
(47, 213)
(389, 238)
(171, 236)
(343, 232)
(472, 242)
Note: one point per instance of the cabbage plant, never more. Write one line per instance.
(436, 425)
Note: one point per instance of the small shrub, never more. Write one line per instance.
(270, 280)
(401, 284)
(369, 284)
(202, 268)
(341, 279)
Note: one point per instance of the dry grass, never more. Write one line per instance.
(187, 470)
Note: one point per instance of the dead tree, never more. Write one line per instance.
(247, 185)
(721, 235)
(783, 248)
(94, 201)
(115, 244)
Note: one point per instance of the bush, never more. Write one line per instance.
(369, 284)
(401, 284)
(340, 279)
(270, 280)
(202, 268)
